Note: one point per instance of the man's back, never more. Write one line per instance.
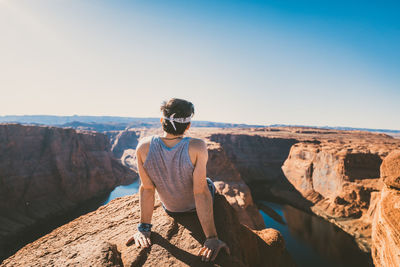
(194, 146)
(170, 166)
(176, 166)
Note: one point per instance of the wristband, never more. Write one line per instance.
(212, 236)
(144, 227)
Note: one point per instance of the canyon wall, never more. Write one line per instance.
(386, 221)
(99, 239)
(338, 180)
(47, 171)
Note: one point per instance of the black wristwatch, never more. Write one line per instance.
(144, 227)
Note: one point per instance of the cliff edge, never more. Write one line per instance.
(98, 239)
(48, 171)
(386, 222)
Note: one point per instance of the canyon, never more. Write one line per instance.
(332, 174)
(336, 175)
(45, 172)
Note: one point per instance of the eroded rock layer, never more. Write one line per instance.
(98, 239)
(386, 222)
(46, 171)
(338, 180)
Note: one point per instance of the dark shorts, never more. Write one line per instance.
(212, 189)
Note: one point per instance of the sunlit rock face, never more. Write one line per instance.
(99, 239)
(386, 222)
(345, 177)
(120, 141)
(47, 171)
(342, 175)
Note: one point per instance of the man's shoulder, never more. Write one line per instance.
(198, 144)
(144, 143)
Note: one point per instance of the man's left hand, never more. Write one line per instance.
(211, 248)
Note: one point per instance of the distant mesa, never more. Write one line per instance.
(107, 123)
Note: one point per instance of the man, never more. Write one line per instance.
(175, 166)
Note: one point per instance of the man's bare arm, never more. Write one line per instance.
(202, 196)
(146, 198)
(146, 191)
(204, 206)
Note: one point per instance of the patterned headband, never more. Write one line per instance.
(180, 120)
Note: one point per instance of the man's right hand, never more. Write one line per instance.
(141, 239)
(211, 248)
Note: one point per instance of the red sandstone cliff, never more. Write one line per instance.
(386, 222)
(98, 239)
(338, 179)
(46, 171)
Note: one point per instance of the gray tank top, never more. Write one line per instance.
(171, 171)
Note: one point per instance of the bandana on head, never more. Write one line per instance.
(180, 120)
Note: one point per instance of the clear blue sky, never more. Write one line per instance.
(320, 63)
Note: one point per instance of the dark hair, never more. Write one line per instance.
(182, 109)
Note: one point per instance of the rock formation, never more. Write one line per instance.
(124, 139)
(228, 181)
(47, 171)
(333, 174)
(386, 222)
(98, 239)
(338, 179)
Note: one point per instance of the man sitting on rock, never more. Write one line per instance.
(175, 166)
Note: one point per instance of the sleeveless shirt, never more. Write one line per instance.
(171, 171)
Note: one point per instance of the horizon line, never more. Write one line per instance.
(254, 124)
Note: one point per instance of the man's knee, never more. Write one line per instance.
(211, 187)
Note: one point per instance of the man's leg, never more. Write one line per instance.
(211, 187)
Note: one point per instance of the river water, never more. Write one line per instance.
(310, 240)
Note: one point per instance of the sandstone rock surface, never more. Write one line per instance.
(338, 179)
(46, 171)
(98, 239)
(386, 222)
